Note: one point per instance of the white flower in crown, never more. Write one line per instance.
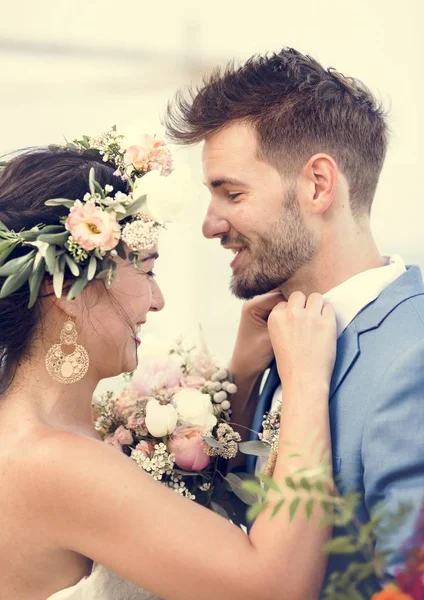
(166, 197)
(141, 234)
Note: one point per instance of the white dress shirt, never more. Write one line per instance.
(349, 298)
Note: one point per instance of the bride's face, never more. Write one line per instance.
(115, 319)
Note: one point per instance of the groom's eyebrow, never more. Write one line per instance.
(216, 183)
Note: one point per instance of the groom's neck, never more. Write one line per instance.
(339, 257)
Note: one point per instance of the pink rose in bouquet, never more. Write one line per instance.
(187, 445)
(145, 447)
(156, 374)
(193, 381)
(121, 437)
(126, 400)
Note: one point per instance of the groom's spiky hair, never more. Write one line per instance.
(297, 108)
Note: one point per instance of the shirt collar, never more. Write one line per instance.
(351, 296)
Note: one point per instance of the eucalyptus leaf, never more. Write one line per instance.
(35, 281)
(60, 202)
(13, 266)
(192, 473)
(294, 504)
(91, 180)
(58, 277)
(255, 448)
(54, 238)
(237, 487)
(30, 236)
(73, 267)
(254, 487)
(102, 274)
(98, 188)
(42, 247)
(118, 208)
(121, 251)
(135, 207)
(38, 258)
(50, 258)
(77, 287)
(7, 250)
(92, 266)
(268, 481)
(98, 254)
(217, 508)
(210, 441)
(52, 229)
(15, 281)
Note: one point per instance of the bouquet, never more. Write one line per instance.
(173, 420)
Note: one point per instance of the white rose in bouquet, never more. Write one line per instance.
(194, 408)
(161, 419)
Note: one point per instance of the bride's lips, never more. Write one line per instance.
(137, 328)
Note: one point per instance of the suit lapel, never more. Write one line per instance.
(406, 286)
(347, 352)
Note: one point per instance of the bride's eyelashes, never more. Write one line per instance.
(235, 196)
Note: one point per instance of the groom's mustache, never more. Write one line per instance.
(238, 240)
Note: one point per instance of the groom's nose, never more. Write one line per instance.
(214, 225)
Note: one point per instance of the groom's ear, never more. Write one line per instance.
(320, 176)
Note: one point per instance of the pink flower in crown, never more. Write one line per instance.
(150, 154)
(188, 447)
(156, 374)
(91, 227)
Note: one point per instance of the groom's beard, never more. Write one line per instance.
(273, 258)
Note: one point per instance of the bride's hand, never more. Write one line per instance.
(253, 349)
(303, 336)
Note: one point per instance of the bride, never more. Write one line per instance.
(78, 519)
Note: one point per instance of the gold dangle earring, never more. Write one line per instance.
(67, 368)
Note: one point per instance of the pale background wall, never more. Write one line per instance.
(69, 67)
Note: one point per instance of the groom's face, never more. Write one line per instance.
(254, 212)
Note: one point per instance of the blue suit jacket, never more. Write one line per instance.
(377, 408)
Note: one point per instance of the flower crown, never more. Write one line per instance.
(97, 227)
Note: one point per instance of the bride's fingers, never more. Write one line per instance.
(328, 313)
(315, 303)
(296, 300)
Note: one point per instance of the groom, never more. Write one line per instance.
(292, 157)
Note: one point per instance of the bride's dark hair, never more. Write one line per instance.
(26, 182)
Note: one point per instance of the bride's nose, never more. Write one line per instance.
(158, 301)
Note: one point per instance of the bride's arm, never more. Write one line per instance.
(100, 504)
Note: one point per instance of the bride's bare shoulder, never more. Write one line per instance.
(52, 460)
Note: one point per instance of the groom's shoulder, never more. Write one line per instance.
(402, 302)
(394, 322)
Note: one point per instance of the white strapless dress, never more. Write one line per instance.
(102, 584)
